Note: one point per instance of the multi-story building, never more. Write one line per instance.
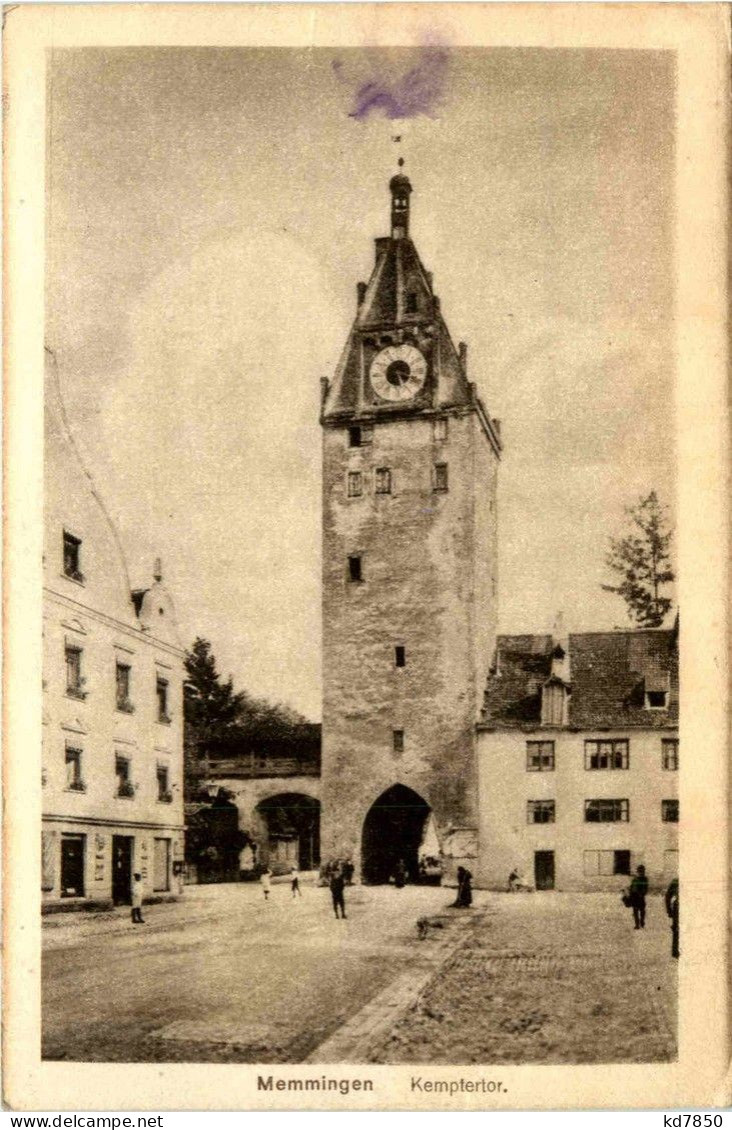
(112, 703)
(578, 756)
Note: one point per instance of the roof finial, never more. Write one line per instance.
(158, 570)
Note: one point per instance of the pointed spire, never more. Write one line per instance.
(401, 190)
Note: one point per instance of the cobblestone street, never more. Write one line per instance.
(223, 976)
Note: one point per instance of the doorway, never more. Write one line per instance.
(393, 831)
(161, 865)
(72, 866)
(544, 870)
(121, 870)
(293, 831)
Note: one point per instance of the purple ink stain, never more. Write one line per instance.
(419, 91)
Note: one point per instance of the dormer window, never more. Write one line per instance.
(656, 700)
(72, 557)
(411, 303)
(554, 697)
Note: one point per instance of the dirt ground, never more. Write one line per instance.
(547, 978)
(224, 977)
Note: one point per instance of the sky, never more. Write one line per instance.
(209, 212)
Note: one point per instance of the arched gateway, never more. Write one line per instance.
(293, 831)
(393, 830)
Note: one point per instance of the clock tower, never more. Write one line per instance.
(410, 459)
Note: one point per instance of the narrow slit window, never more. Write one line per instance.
(400, 656)
(354, 484)
(354, 437)
(440, 477)
(355, 572)
(398, 741)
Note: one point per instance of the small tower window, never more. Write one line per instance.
(411, 303)
(400, 656)
(354, 484)
(398, 741)
(383, 480)
(439, 481)
(359, 435)
(354, 569)
(440, 429)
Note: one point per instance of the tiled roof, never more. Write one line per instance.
(610, 673)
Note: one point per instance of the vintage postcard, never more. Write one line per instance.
(366, 554)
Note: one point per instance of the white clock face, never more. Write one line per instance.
(398, 372)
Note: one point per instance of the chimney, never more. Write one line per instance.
(463, 353)
(158, 570)
(496, 426)
(360, 293)
(324, 386)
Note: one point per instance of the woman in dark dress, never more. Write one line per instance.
(465, 890)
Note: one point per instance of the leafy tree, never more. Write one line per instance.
(642, 560)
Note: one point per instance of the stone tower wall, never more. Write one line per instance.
(428, 563)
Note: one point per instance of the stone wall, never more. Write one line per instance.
(422, 572)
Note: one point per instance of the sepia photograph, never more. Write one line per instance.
(363, 607)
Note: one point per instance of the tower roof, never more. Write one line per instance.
(398, 299)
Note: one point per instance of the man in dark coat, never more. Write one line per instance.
(638, 892)
(337, 883)
(672, 909)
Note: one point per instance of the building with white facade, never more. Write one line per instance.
(578, 753)
(112, 700)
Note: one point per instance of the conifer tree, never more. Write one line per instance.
(642, 559)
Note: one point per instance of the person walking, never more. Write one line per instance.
(638, 892)
(137, 899)
(337, 884)
(266, 880)
(295, 880)
(672, 909)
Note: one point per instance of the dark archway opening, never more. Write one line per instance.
(393, 831)
(293, 831)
